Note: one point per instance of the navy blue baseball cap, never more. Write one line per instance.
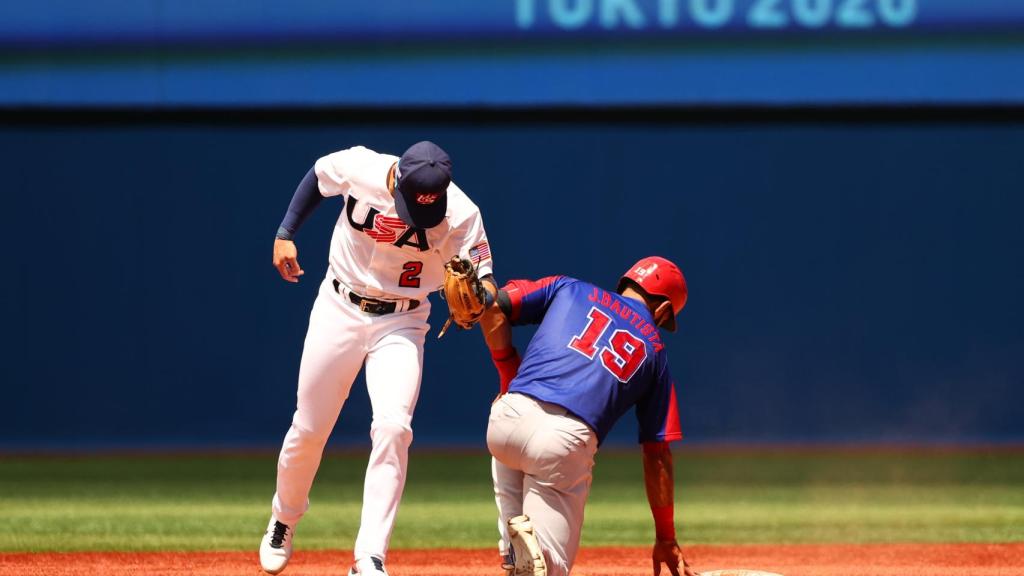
(421, 182)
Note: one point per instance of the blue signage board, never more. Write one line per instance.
(73, 22)
(510, 52)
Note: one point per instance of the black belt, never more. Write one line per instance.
(371, 305)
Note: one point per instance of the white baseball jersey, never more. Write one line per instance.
(373, 251)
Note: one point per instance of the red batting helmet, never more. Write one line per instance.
(659, 277)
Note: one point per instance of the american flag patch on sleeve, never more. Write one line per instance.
(479, 253)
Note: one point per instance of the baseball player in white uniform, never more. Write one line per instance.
(402, 220)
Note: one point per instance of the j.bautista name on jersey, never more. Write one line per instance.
(647, 329)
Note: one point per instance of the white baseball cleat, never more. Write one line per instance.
(529, 559)
(276, 547)
(369, 566)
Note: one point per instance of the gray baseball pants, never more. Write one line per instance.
(542, 467)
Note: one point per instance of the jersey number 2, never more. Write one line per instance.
(624, 354)
(410, 277)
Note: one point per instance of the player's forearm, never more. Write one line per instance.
(305, 200)
(496, 328)
(498, 334)
(659, 482)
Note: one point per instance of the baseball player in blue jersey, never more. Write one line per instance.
(596, 355)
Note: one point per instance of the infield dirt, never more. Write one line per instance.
(790, 560)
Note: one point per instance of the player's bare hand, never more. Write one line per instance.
(667, 552)
(286, 260)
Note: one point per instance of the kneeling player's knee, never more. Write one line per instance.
(390, 432)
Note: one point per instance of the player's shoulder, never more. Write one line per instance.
(560, 284)
(562, 280)
(355, 157)
(576, 282)
(460, 208)
(552, 284)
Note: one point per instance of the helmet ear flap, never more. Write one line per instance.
(664, 315)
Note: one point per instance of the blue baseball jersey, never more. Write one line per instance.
(596, 354)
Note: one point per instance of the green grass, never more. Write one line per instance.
(222, 502)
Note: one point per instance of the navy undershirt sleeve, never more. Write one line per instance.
(307, 197)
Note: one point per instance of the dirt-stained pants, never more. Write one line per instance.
(542, 467)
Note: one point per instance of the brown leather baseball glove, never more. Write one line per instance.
(464, 292)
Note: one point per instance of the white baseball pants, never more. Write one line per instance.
(339, 340)
(542, 467)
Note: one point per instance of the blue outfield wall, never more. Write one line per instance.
(847, 282)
